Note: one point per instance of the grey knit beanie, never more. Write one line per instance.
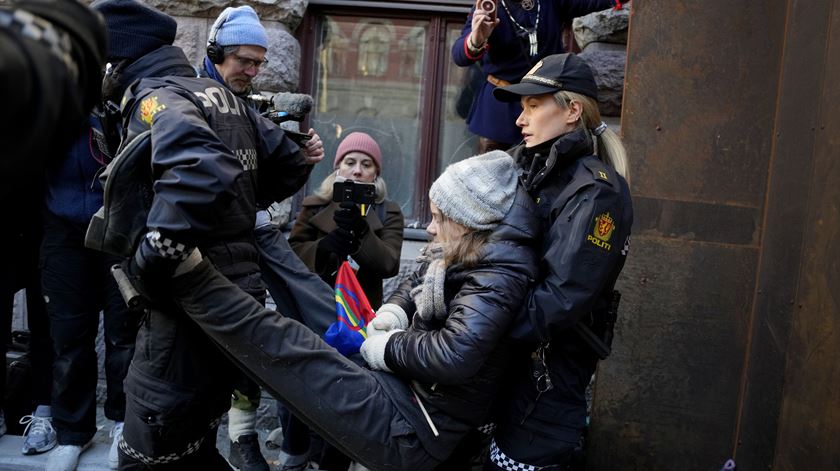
(477, 192)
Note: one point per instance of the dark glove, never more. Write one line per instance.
(349, 218)
(340, 242)
(149, 272)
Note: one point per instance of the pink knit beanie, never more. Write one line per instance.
(359, 142)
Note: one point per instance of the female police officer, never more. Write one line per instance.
(575, 168)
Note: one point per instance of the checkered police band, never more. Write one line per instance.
(168, 248)
(191, 448)
(41, 30)
(247, 157)
(487, 429)
(503, 461)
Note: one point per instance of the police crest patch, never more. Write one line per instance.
(148, 108)
(602, 231)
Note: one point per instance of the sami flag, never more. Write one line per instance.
(353, 311)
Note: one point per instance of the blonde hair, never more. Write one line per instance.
(467, 248)
(325, 190)
(608, 145)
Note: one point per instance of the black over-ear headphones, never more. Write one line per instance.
(216, 53)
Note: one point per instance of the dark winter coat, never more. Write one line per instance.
(459, 363)
(379, 250)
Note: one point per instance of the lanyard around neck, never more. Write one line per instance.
(532, 33)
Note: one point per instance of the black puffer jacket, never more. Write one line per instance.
(459, 363)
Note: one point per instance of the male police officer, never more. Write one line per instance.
(212, 158)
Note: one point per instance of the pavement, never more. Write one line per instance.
(95, 458)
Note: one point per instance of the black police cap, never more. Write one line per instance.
(552, 74)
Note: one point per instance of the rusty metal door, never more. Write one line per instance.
(729, 337)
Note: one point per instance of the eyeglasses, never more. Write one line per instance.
(247, 63)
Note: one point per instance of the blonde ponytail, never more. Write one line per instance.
(608, 145)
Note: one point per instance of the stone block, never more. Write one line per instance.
(281, 74)
(288, 12)
(608, 66)
(609, 26)
(192, 37)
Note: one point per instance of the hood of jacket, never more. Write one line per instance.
(162, 62)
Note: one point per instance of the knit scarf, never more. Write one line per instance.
(428, 296)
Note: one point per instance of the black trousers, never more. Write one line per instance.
(370, 416)
(20, 271)
(303, 296)
(77, 284)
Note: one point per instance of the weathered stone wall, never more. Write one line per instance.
(280, 18)
(602, 38)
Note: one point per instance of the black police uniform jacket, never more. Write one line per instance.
(212, 160)
(459, 363)
(585, 211)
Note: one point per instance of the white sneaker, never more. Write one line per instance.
(39, 435)
(114, 452)
(65, 457)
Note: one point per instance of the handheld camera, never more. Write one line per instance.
(354, 192)
(489, 6)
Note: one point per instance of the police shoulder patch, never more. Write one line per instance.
(602, 230)
(149, 107)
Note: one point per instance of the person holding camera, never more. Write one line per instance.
(332, 226)
(327, 231)
(507, 38)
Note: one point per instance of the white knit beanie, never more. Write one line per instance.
(477, 192)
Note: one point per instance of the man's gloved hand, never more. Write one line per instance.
(153, 265)
(340, 242)
(349, 217)
(388, 317)
(373, 350)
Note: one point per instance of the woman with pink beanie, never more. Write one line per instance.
(325, 233)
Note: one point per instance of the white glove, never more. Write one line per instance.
(373, 350)
(388, 317)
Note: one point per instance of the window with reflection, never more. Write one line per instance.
(390, 74)
(372, 98)
(374, 45)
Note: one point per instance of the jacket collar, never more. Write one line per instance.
(566, 149)
(162, 62)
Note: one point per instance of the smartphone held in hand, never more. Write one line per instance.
(354, 192)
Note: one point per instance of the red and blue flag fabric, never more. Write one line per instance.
(353, 311)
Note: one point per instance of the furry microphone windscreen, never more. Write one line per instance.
(297, 105)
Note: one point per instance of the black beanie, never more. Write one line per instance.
(134, 29)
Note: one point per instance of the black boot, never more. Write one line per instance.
(245, 454)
